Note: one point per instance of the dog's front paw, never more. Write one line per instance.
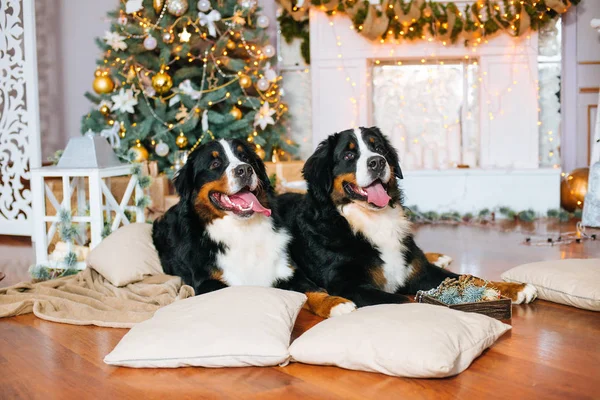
(342, 308)
(526, 295)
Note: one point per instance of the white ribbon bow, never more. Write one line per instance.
(112, 134)
(186, 88)
(209, 20)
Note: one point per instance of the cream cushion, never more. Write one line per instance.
(410, 340)
(574, 282)
(126, 255)
(237, 326)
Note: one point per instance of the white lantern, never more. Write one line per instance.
(85, 168)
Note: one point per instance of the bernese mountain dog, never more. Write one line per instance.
(225, 230)
(350, 234)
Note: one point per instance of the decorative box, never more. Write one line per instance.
(499, 309)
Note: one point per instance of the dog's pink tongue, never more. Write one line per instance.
(244, 199)
(377, 195)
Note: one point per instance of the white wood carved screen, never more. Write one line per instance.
(19, 115)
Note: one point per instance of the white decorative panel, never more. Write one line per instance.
(19, 135)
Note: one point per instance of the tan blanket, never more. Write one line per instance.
(89, 299)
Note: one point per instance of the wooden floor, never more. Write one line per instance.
(553, 351)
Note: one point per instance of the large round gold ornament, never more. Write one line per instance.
(139, 152)
(103, 84)
(230, 45)
(158, 5)
(245, 81)
(177, 7)
(573, 188)
(181, 141)
(162, 82)
(236, 112)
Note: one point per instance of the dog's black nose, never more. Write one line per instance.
(376, 163)
(244, 170)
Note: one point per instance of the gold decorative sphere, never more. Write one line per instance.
(181, 141)
(230, 45)
(104, 109)
(236, 112)
(162, 82)
(123, 131)
(245, 81)
(573, 189)
(98, 73)
(103, 84)
(139, 151)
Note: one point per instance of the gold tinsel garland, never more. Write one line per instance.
(415, 19)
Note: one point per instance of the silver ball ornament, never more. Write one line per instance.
(168, 37)
(177, 7)
(204, 5)
(269, 51)
(262, 84)
(262, 21)
(150, 43)
(248, 4)
(161, 149)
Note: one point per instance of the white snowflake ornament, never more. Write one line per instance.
(124, 101)
(270, 73)
(264, 116)
(116, 41)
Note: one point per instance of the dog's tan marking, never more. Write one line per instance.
(372, 139)
(217, 275)
(321, 303)
(203, 206)
(215, 154)
(517, 292)
(338, 193)
(240, 148)
(352, 146)
(378, 276)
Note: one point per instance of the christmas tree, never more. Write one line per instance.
(174, 74)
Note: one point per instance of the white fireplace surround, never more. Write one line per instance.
(508, 173)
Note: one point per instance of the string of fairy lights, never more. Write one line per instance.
(495, 109)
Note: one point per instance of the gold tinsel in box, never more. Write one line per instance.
(289, 175)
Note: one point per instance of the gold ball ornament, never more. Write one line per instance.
(139, 152)
(236, 112)
(103, 84)
(573, 189)
(245, 81)
(162, 82)
(123, 131)
(181, 141)
(230, 45)
(104, 109)
(177, 7)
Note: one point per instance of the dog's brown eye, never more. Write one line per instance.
(215, 164)
(379, 149)
(349, 156)
(244, 157)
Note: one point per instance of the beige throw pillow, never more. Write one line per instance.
(127, 255)
(237, 326)
(409, 340)
(574, 282)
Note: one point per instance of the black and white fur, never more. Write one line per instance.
(351, 247)
(212, 242)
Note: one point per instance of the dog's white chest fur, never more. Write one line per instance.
(386, 230)
(255, 254)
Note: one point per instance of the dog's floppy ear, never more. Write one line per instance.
(391, 154)
(318, 169)
(184, 180)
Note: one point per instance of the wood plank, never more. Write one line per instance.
(552, 352)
